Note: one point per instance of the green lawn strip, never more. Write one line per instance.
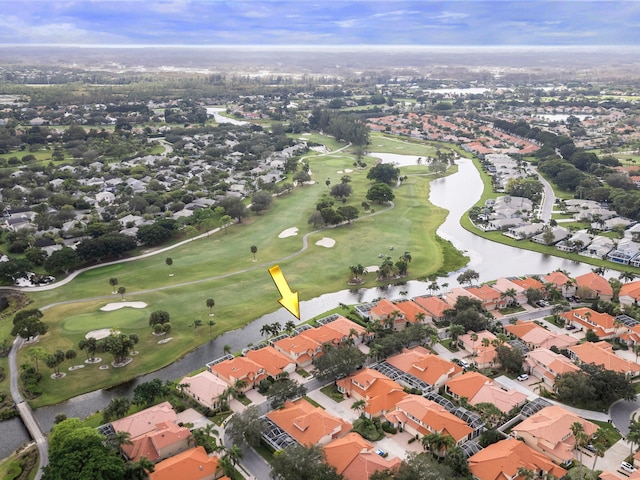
(386, 143)
(410, 226)
(611, 434)
(332, 392)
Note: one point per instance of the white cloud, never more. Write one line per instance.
(350, 23)
(446, 16)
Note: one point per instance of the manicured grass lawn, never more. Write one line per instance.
(332, 392)
(611, 433)
(380, 142)
(221, 266)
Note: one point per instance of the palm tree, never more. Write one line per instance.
(455, 330)
(182, 387)
(211, 323)
(633, 437)
(445, 286)
(511, 294)
(599, 442)
(627, 276)
(289, 326)
(240, 385)
(581, 440)
(169, 262)
(276, 328)
(121, 292)
(357, 271)
(196, 323)
(485, 342)
(359, 406)
(254, 250)
(265, 330)
(227, 349)
(210, 304)
(235, 454)
(474, 338)
(118, 440)
(438, 443)
(113, 281)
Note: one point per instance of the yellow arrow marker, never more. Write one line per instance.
(289, 299)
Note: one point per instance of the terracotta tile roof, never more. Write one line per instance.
(273, 361)
(428, 367)
(384, 308)
(467, 384)
(528, 283)
(603, 321)
(192, 464)
(434, 305)
(485, 293)
(501, 460)
(239, 368)
(550, 430)
(411, 310)
(554, 362)
(601, 353)
(533, 334)
(146, 420)
(427, 416)
(151, 443)
(631, 289)
(355, 459)
(307, 424)
(594, 282)
(297, 345)
(380, 392)
(559, 279)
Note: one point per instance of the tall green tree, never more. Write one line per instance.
(299, 461)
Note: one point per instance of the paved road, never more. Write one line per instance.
(548, 198)
(25, 410)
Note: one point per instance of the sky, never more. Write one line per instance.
(319, 22)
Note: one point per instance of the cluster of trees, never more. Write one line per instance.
(388, 342)
(338, 362)
(28, 323)
(341, 126)
(593, 387)
(390, 269)
(160, 321)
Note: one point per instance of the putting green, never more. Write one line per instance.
(124, 319)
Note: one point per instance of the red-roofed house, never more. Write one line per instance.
(307, 424)
(504, 285)
(603, 324)
(431, 369)
(477, 388)
(601, 353)
(452, 295)
(434, 306)
(482, 349)
(301, 350)
(413, 312)
(388, 314)
(549, 432)
(491, 298)
(534, 336)
(563, 283)
(547, 365)
(239, 368)
(154, 433)
(591, 286)
(275, 363)
(205, 388)
(355, 459)
(337, 332)
(629, 293)
(192, 464)
(419, 416)
(380, 393)
(501, 461)
(530, 283)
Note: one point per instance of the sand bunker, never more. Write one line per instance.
(340, 172)
(326, 242)
(372, 268)
(289, 232)
(110, 307)
(101, 333)
(347, 170)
